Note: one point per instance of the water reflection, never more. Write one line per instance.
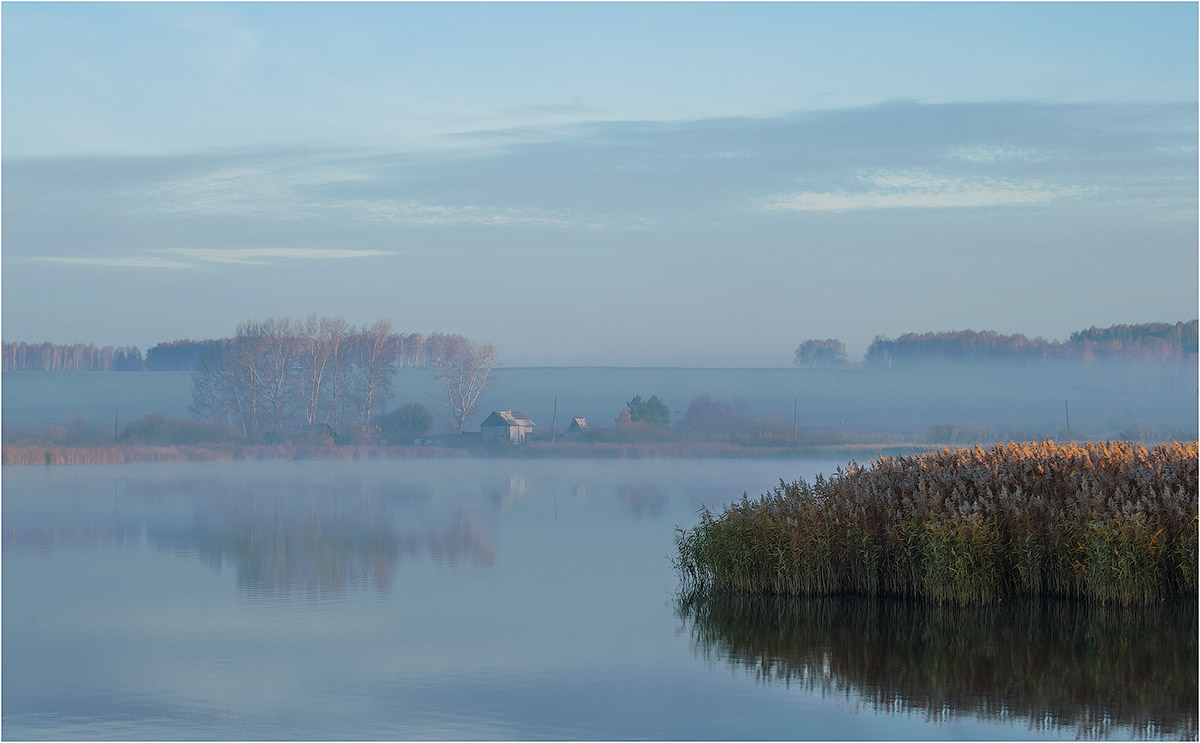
(281, 540)
(320, 546)
(1101, 670)
(643, 500)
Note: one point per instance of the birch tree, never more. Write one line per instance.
(322, 341)
(462, 366)
(377, 356)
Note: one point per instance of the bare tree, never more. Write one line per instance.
(272, 349)
(322, 339)
(219, 394)
(462, 366)
(253, 382)
(377, 354)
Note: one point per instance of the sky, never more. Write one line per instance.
(625, 184)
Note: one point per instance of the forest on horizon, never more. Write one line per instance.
(1157, 342)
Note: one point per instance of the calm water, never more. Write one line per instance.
(488, 599)
(1100, 401)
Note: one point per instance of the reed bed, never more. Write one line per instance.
(1105, 522)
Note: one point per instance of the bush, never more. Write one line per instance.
(156, 430)
(630, 430)
(405, 424)
(81, 433)
(708, 418)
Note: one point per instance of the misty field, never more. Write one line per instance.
(1104, 522)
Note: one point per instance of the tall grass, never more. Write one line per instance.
(1107, 522)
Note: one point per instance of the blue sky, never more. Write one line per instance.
(628, 184)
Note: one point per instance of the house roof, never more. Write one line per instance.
(578, 423)
(507, 418)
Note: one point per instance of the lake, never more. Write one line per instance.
(507, 599)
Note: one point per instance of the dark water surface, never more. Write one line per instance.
(486, 599)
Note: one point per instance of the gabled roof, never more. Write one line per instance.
(507, 418)
(580, 424)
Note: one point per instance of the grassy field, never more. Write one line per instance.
(1106, 522)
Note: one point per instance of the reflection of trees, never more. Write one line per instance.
(643, 500)
(1050, 664)
(323, 546)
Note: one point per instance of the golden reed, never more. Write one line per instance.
(1107, 522)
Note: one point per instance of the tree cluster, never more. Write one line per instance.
(181, 355)
(706, 419)
(1148, 342)
(284, 375)
(818, 354)
(412, 350)
(22, 356)
(1154, 341)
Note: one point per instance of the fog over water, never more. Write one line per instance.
(1102, 400)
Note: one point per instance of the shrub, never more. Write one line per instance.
(405, 424)
(156, 430)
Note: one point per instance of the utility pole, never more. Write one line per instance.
(116, 420)
(795, 418)
(1067, 408)
(554, 431)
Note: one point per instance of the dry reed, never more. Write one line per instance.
(1107, 522)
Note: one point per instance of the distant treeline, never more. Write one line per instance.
(179, 355)
(1146, 342)
(1157, 342)
(78, 357)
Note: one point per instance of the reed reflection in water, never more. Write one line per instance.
(1104, 670)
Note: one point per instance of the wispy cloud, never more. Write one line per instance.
(298, 189)
(117, 262)
(418, 213)
(263, 256)
(917, 189)
(245, 256)
(997, 154)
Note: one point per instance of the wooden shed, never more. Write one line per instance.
(507, 425)
(578, 429)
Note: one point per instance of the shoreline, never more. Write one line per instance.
(38, 455)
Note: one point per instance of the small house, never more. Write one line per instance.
(506, 425)
(578, 428)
